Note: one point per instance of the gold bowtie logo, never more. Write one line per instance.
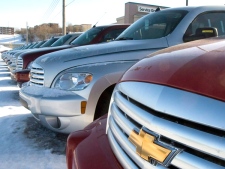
(146, 148)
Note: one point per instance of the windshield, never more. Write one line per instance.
(87, 36)
(153, 26)
(39, 44)
(61, 40)
(31, 46)
(49, 42)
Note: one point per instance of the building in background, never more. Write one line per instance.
(54, 25)
(134, 11)
(7, 30)
(78, 28)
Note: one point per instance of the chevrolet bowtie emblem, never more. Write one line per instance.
(147, 148)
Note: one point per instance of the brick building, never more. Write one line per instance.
(7, 30)
(134, 11)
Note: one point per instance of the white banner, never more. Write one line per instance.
(145, 9)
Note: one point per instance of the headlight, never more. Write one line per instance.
(29, 66)
(73, 81)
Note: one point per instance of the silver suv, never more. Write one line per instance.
(70, 88)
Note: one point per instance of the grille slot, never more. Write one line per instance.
(13, 60)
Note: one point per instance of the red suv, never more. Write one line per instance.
(167, 111)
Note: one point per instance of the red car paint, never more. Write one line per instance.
(204, 70)
(89, 148)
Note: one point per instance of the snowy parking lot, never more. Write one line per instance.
(24, 143)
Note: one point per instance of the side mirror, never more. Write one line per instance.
(201, 33)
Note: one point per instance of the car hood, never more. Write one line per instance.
(95, 50)
(43, 50)
(197, 67)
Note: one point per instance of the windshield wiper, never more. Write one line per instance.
(125, 38)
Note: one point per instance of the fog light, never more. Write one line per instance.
(53, 121)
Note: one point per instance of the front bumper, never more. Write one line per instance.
(12, 67)
(57, 110)
(90, 148)
(21, 76)
(13, 77)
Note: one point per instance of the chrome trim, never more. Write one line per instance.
(156, 97)
(36, 75)
(37, 70)
(19, 63)
(187, 160)
(122, 108)
(36, 82)
(193, 138)
(125, 162)
(125, 144)
(13, 60)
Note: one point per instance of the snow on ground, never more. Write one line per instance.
(24, 143)
(16, 38)
(3, 48)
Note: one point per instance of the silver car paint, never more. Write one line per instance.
(100, 60)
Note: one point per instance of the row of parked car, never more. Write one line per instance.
(147, 97)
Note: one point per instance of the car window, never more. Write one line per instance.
(39, 44)
(153, 26)
(211, 19)
(61, 40)
(112, 35)
(31, 46)
(49, 42)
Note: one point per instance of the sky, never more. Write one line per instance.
(23, 13)
(25, 144)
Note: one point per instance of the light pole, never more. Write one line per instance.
(63, 18)
(186, 2)
(27, 35)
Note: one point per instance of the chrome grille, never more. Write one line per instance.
(36, 75)
(19, 63)
(13, 60)
(200, 141)
(9, 58)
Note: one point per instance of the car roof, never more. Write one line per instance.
(200, 8)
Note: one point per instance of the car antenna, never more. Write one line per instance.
(157, 9)
(98, 20)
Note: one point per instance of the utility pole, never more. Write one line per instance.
(63, 18)
(27, 35)
(186, 2)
